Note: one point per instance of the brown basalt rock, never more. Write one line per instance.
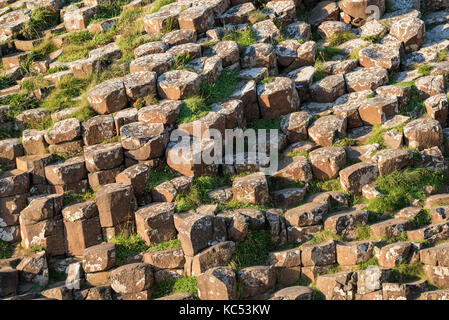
(293, 169)
(228, 51)
(328, 89)
(327, 162)
(99, 258)
(33, 268)
(403, 94)
(199, 19)
(233, 112)
(237, 14)
(140, 84)
(10, 149)
(306, 215)
(332, 198)
(136, 134)
(217, 284)
(323, 11)
(155, 222)
(63, 131)
(97, 129)
(391, 228)
(178, 84)
(150, 48)
(371, 279)
(435, 199)
(403, 291)
(132, 278)
(300, 235)
(321, 254)
(103, 156)
(217, 255)
(260, 55)
(411, 31)
(431, 233)
(354, 177)
(358, 9)
(165, 259)
(116, 203)
(353, 253)
(100, 178)
(437, 108)
(288, 197)
(345, 222)
(35, 165)
(159, 21)
(108, 97)
(326, 130)
(338, 286)
(390, 160)
(423, 133)
(180, 157)
(294, 125)
(294, 293)
(165, 112)
(157, 62)
(377, 55)
(65, 172)
(285, 258)
(393, 254)
(280, 92)
(196, 232)
(366, 79)
(256, 280)
(82, 226)
(177, 37)
(137, 176)
(393, 139)
(429, 86)
(33, 141)
(252, 188)
(378, 109)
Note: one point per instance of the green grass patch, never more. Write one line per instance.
(252, 251)
(344, 142)
(405, 272)
(320, 71)
(158, 4)
(423, 218)
(107, 11)
(324, 235)
(166, 245)
(70, 197)
(340, 37)
(323, 186)
(180, 61)
(424, 69)
(159, 175)
(128, 245)
(266, 124)
(198, 106)
(197, 194)
(267, 80)
(5, 250)
(363, 232)
(40, 20)
(370, 262)
(6, 82)
(184, 284)
(326, 53)
(256, 16)
(442, 55)
(400, 188)
(244, 38)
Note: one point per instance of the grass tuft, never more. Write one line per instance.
(184, 284)
(252, 251)
(128, 245)
(340, 37)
